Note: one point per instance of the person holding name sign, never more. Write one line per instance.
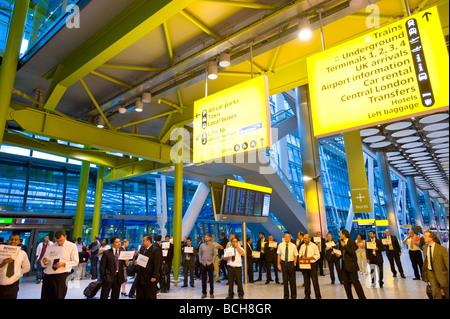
(235, 269)
(271, 259)
(14, 263)
(374, 247)
(393, 253)
(148, 264)
(350, 268)
(112, 270)
(58, 262)
(166, 267)
(415, 253)
(189, 253)
(308, 256)
(332, 259)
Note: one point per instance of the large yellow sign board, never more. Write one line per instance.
(232, 122)
(392, 73)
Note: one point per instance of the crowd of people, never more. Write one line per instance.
(151, 263)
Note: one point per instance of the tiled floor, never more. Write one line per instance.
(394, 288)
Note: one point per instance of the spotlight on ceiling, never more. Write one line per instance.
(139, 105)
(212, 70)
(356, 3)
(122, 110)
(304, 29)
(100, 122)
(146, 97)
(225, 60)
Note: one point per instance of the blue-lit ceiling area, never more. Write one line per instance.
(45, 18)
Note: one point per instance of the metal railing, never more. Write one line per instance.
(281, 116)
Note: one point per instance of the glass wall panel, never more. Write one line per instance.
(12, 186)
(45, 192)
(134, 198)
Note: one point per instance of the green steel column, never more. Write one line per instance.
(97, 204)
(177, 219)
(10, 60)
(81, 200)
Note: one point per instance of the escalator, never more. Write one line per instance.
(286, 203)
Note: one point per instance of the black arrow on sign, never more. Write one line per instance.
(426, 15)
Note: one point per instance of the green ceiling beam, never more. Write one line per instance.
(242, 4)
(70, 130)
(174, 105)
(146, 119)
(111, 79)
(93, 156)
(133, 170)
(130, 67)
(133, 23)
(95, 103)
(168, 42)
(200, 25)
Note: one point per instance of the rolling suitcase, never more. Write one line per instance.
(91, 290)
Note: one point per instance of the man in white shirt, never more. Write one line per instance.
(415, 253)
(309, 254)
(287, 259)
(11, 269)
(58, 266)
(235, 269)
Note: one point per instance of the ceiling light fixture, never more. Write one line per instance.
(100, 122)
(139, 105)
(122, 110)
(356, 3)
(225, 60)
(212, 70)
(146, 97)
(304, 29)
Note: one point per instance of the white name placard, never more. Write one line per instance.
(142, 260)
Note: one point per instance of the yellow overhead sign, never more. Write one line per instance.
(392, 73)
(365, 222)
(248, 186)
(233, 121)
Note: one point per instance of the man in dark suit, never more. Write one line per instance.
(332, 259)
(262, 258)
(350, 266)
(322, 249)
(147, 277)
(223, 262)
(112, 270)
(188, 262)
(435, 266)
(249, 256)
(271, 261)
(375, 258)
(167, 249)
(393, 253)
